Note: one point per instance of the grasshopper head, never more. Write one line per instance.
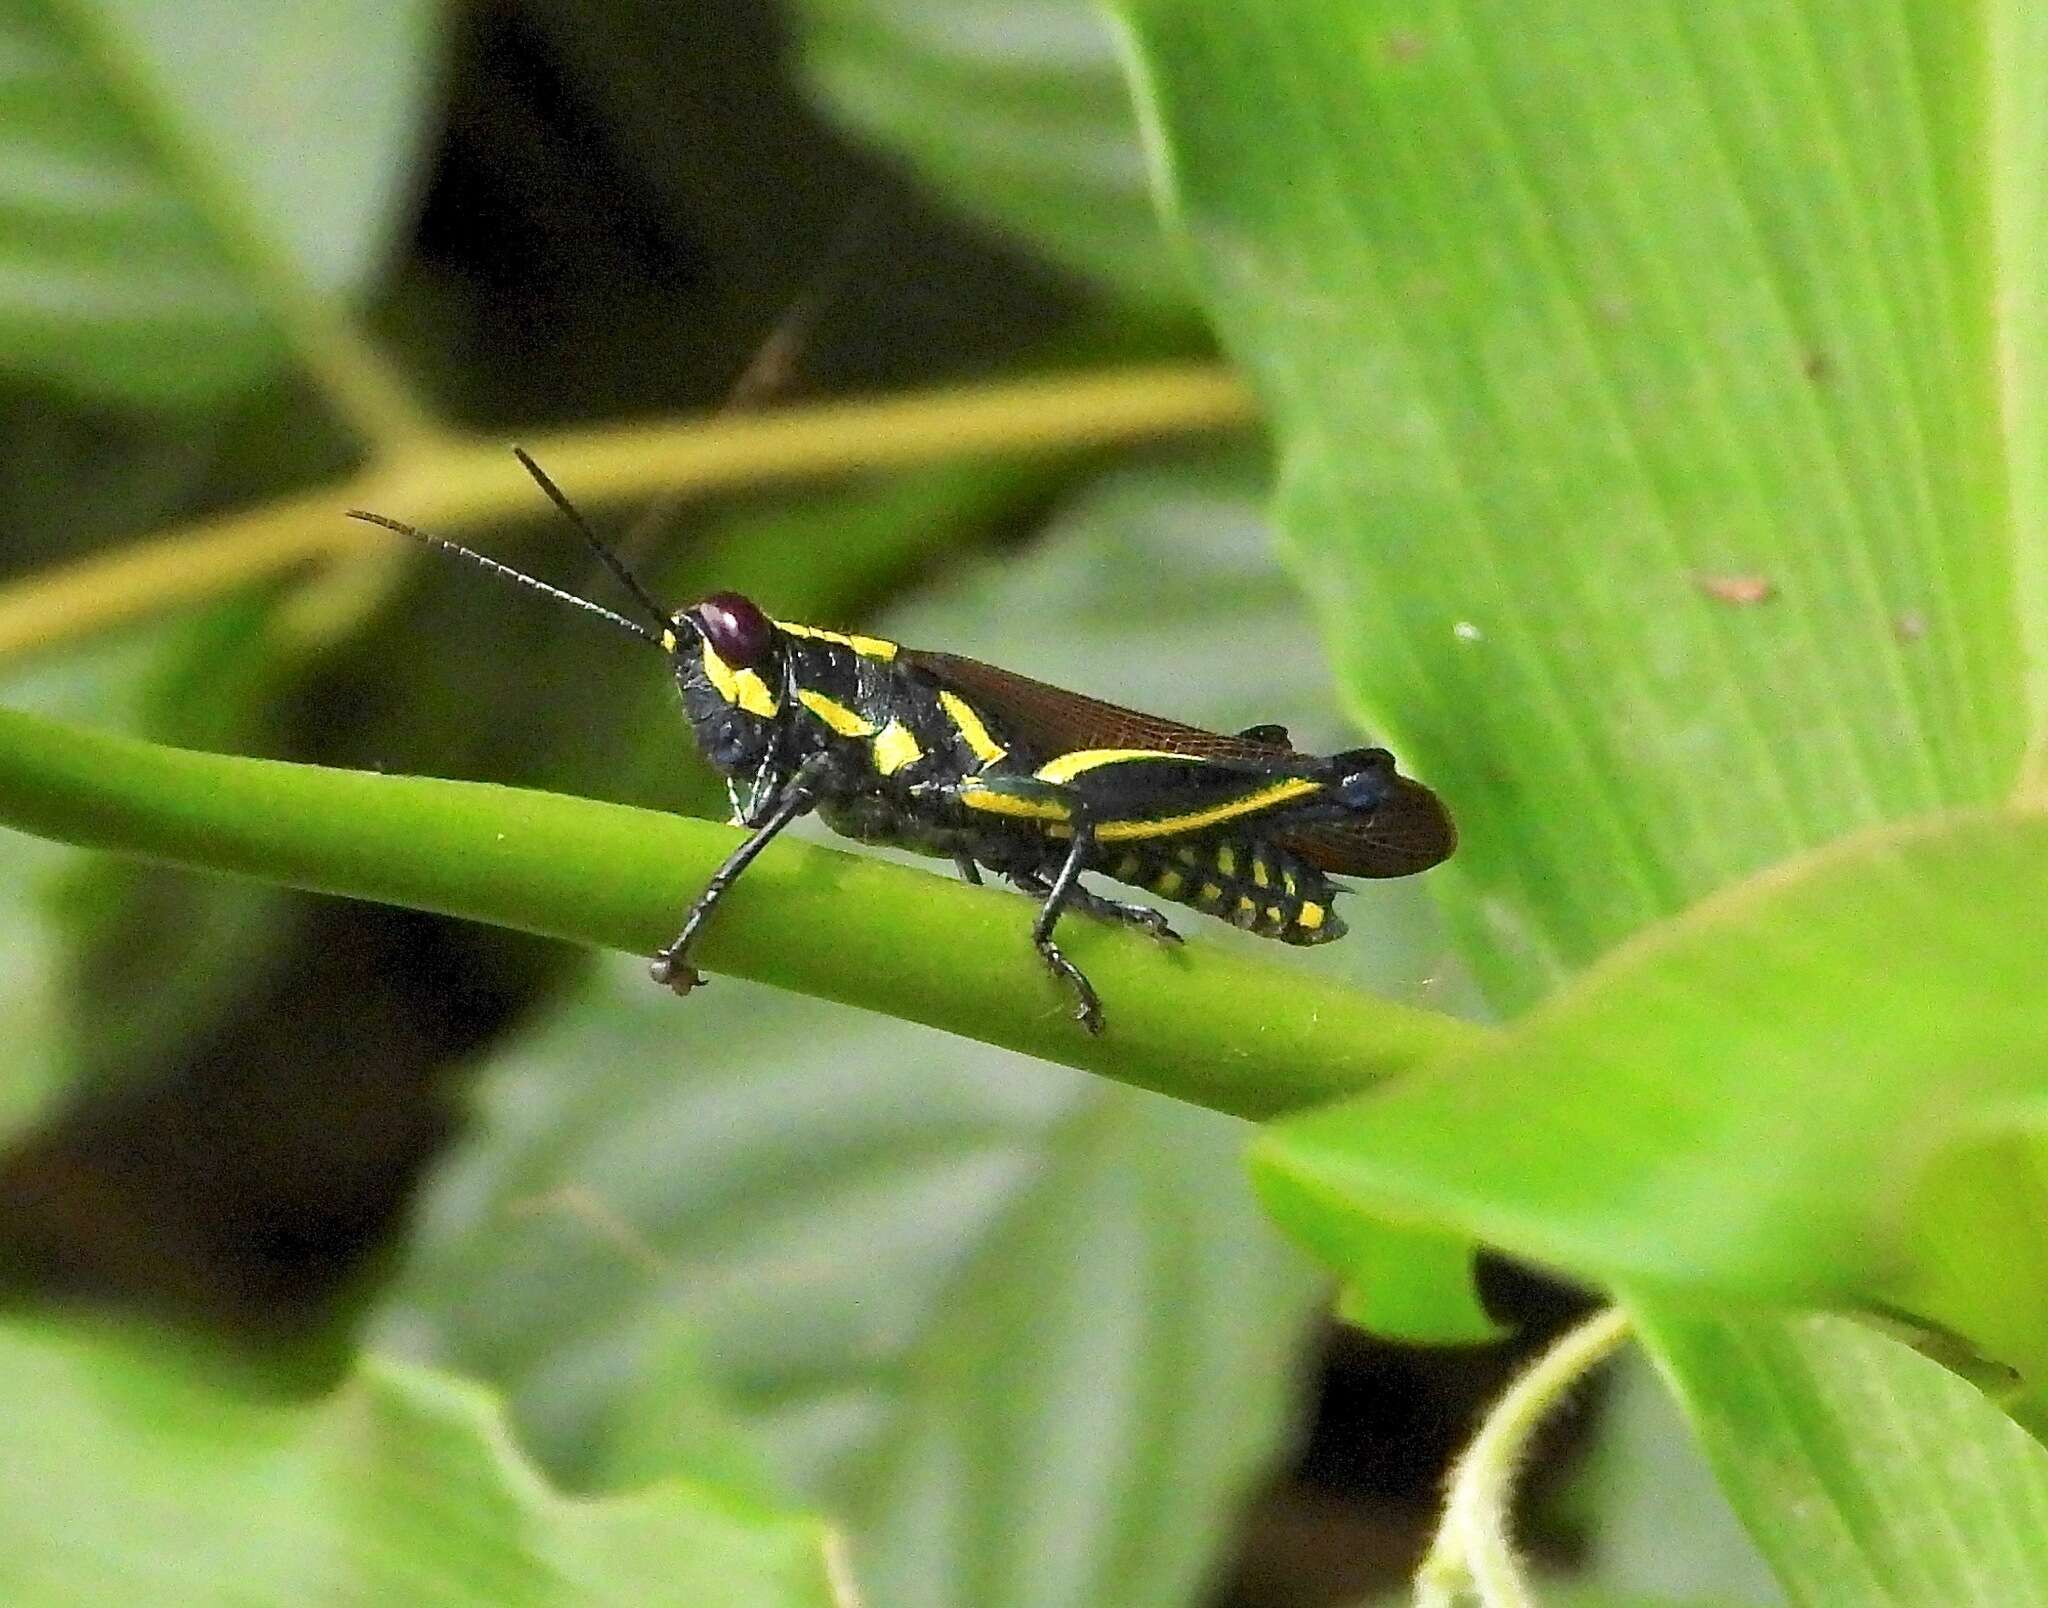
(728, 663)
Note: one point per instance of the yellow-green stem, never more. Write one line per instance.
(1234, 1034)
(456, 484)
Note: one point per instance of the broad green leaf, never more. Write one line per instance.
(1814, 1087)
(1018, 114)
(1025, 1335)
(1577, 327)
(129, 1473)
(166, 171)
(1867, 1474)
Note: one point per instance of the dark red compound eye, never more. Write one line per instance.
(739, 633)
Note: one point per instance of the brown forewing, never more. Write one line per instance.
(1410, 832)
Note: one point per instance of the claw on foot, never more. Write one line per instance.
(678, 978)
(1161, 929)
(1087, 1004)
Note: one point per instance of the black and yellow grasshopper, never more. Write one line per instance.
(958, 759)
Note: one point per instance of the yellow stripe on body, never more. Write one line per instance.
(992, 802)
(741, 688)
(835, 714)
(1068, 766)
(1196, 820)
(896, 748)
(972, 732)
(866, 646)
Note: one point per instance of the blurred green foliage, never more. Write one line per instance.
(1654, 391)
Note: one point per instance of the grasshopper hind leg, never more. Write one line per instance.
(1059, 893)
(1141, 916)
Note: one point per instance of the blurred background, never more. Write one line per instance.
(997, 1317)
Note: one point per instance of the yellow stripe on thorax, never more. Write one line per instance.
(968, 723)
(845, 721)
(741, 688)
(866, 646)
(1265, 798)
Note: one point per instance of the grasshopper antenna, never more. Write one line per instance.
(663, 639)
(606, 556)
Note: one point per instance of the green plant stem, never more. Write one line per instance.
(1472, 1553)
(457, 485)
(1235, 1035)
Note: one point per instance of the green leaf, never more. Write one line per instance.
(1023, 1334)
(1866, 1473)
(130, 1474)
(1809, 1088)
(1571, 324)
(157, 163)
(1019, 117)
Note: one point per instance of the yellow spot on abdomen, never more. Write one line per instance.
(1226, 859)
(1169, 883)
(1211, 894)
(1261, 876)
(1309, 916)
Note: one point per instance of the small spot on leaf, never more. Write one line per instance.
(1740, 590)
